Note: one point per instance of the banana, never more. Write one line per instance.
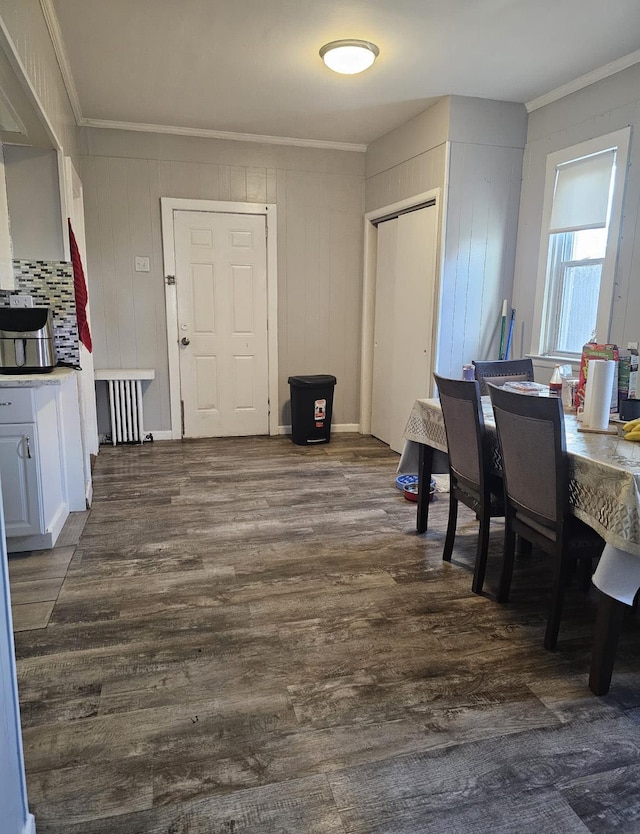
(632, 424)
(634, 434)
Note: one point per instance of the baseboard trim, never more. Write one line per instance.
(30, 825)
(164, 434)
(156, 434)
(339, 428)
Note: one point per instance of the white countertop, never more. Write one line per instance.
(55, 377)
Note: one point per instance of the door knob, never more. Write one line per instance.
(185, 341)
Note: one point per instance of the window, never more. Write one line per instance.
(581, 223)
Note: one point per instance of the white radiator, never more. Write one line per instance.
(125, 400)
(125, 403)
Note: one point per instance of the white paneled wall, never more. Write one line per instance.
(482, 217)
(322, 261)
(417, 175)
(33, 194)
(472, 149)
(27, 28)
(601, 108)
(319, 195)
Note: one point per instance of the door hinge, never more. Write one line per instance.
(182, 415)
(170, 279)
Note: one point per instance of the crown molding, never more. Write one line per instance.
(584, 81)
(55, 33)
(57, 39)
(204, 133)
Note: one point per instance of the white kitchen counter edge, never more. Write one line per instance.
(55, 377)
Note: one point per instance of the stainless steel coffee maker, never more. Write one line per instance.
(26, 340)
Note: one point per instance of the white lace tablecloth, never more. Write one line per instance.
(604, 486)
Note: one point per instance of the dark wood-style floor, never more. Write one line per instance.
(251, 639)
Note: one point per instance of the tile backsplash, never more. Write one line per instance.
(51, 285)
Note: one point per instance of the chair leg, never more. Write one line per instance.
(481, 553)
(585, 572)
(560, 576)
(525, 548)
(608, 626)
(451, 528)
(508, 555)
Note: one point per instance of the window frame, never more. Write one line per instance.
(556, 290)
(544, 302)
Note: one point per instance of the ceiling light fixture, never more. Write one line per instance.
(349, 57)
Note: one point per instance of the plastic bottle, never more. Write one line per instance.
(555, 383)
(468, 373)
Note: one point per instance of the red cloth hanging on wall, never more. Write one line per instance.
(80, 289)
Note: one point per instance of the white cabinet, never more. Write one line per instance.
(18, 465)
(40, 458)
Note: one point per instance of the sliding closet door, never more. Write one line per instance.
(404, 324)
(384, 328)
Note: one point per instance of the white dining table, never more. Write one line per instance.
(604, 492)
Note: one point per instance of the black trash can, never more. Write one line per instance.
(311, 408)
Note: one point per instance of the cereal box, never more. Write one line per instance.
(593, 350)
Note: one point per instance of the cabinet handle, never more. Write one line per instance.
(6, 403)
(27, 438)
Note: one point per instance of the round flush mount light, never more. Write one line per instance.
(349, 57)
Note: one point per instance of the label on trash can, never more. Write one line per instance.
(319, 412)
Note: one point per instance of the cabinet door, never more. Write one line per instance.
(19, 474)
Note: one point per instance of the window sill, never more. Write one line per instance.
(549, 361)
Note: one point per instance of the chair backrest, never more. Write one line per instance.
(534, 462)
(500, 371)
(464, 426)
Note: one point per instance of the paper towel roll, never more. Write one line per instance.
(586, 406)
(601, 379)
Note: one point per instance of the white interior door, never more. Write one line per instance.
(403, 331)
(221, 283)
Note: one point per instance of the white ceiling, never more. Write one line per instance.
(252, 66)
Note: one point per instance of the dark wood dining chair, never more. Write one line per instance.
(472, 478)
(501, 371)
(536, 483)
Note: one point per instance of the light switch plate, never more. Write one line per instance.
(20, 301)
(142, 264)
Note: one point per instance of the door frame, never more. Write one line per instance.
(86, 376)
(369, 291)
(168, 205)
